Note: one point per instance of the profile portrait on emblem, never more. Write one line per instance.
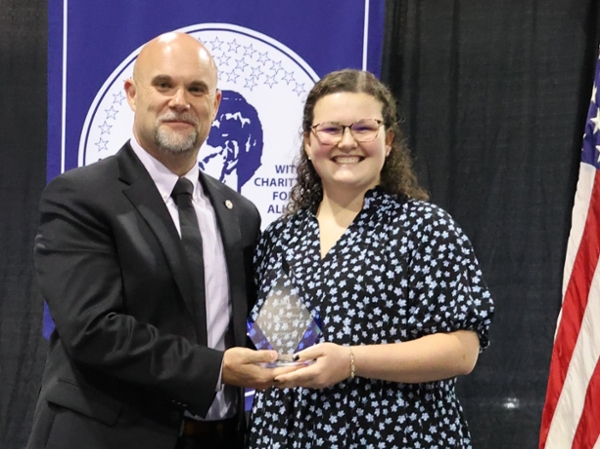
(235, 143)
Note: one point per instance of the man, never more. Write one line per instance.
(137, 360)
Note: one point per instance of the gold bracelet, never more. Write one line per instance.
(352, 366)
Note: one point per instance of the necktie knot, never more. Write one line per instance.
(183, 186)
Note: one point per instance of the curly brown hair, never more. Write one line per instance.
(397, 176)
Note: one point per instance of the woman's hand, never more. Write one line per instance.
(331, 365)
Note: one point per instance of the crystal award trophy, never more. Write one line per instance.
(281, 320)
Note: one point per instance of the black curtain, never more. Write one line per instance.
(23, 54)
(494, 96)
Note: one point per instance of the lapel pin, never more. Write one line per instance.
(228, 204)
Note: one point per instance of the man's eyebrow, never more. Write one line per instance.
(196, 84)
(199, 84)
(161, 78)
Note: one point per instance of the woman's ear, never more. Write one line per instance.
(307, 147)
(389, 139)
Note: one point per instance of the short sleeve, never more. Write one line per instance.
(446, 290)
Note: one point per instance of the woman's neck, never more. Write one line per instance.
(341, 207)
(335, 214)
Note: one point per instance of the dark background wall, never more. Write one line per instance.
(23, 53)
(494, 96)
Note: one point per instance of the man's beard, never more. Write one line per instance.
(175, 143)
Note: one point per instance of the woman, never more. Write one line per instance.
(395, 282)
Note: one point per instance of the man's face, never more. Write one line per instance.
(174, 96)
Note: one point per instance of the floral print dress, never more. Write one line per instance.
(402, 270)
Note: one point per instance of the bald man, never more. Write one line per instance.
(148, 351)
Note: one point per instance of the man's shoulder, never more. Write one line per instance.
(214, 184)
(95, 169)
(105, 169)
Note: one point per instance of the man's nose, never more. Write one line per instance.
(179, 99)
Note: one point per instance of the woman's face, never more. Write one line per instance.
(342, 162)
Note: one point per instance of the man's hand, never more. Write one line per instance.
(240, 368)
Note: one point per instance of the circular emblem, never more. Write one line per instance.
(256, 134)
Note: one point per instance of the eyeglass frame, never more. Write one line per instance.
(379, 123)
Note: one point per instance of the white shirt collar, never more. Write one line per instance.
(164, 178)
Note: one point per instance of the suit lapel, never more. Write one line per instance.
(224, 206)
(144, 196)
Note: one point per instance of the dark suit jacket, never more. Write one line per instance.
(128, 354)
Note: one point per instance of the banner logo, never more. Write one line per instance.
(256, 133)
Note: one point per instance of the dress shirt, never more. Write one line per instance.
(216, 286)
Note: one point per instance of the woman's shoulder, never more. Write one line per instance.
(420, 220)
(285, 223)
(425, 210)
(411, 212)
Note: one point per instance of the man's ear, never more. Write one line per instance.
(130, 92)
(217, 102)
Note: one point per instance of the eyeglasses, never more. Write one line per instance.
(331, 133)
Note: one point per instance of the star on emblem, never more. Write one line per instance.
(111, 113)
(288, 77)
(118, 98)
(270, 81)
(233, 46)
(232, 76)
(105, 128)
(249, 51)
(102, 144)
(250, 83)
(263, 57)
(216, 44)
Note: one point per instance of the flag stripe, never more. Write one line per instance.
(583, 196)
(571, 406)
(574, 305)
(589, 424)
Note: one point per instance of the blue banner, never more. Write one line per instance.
(269, 53)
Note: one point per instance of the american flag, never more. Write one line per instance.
(571, 416)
